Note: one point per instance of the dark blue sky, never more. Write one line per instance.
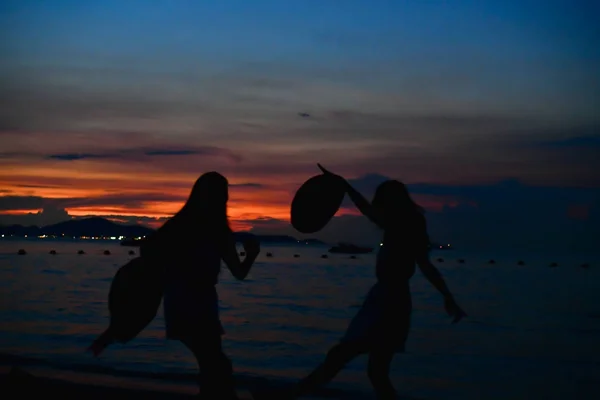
(439, 93)
(511, 57)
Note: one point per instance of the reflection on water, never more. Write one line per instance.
(532, 330)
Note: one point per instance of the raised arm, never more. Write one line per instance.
(364, 206)
(239, 269)
(358, 199)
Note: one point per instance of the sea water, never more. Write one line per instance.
(533, 331)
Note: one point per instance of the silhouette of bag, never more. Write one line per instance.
(316, 202)
(133, 300)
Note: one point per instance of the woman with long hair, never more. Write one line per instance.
(381, 326)
(191, 245)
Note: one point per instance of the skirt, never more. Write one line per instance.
(383, 321)
(191, 312)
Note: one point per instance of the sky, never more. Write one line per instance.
(487, 110)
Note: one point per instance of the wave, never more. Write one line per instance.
(23, 361)
(249, 381)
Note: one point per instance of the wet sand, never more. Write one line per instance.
(19, 383)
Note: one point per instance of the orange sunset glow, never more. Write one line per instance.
(94, 126)
(239, 199)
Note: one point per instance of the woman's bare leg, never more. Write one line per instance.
(216, 372)
(336, 359)
(379, 373)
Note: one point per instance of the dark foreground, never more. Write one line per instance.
(19, 384)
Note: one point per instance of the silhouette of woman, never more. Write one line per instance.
(381, 326)
(192, 245)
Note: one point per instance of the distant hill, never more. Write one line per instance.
(97, 226)
(19, 230)
(312, 241)
(240, 236)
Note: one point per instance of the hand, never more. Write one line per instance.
(252, 246)
(98, 346)
(453, 309)
(327, 172)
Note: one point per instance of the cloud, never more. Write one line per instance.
(368, 182)
(170, 152)
(47, 216)
(12, 154)
(151, 222)
(350, 228)
(133, 200)
(506, 215)
(51, 215)
(8, 203)
(268, 225)
(137, 153)
(249, 185)
(123, 201)
(408, 145)
(196, 150)
(235, 102)
(511, 214)
(74, 157)
(591, 141)
(344, 228)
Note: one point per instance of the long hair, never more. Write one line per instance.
(393, 200)
(203, 214)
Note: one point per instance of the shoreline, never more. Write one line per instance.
(21, 382)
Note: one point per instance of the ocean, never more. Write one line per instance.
(533, 331)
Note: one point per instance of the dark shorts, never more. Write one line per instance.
(383, 321)
(191, 312)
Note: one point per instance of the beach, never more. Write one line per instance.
(531, 332)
